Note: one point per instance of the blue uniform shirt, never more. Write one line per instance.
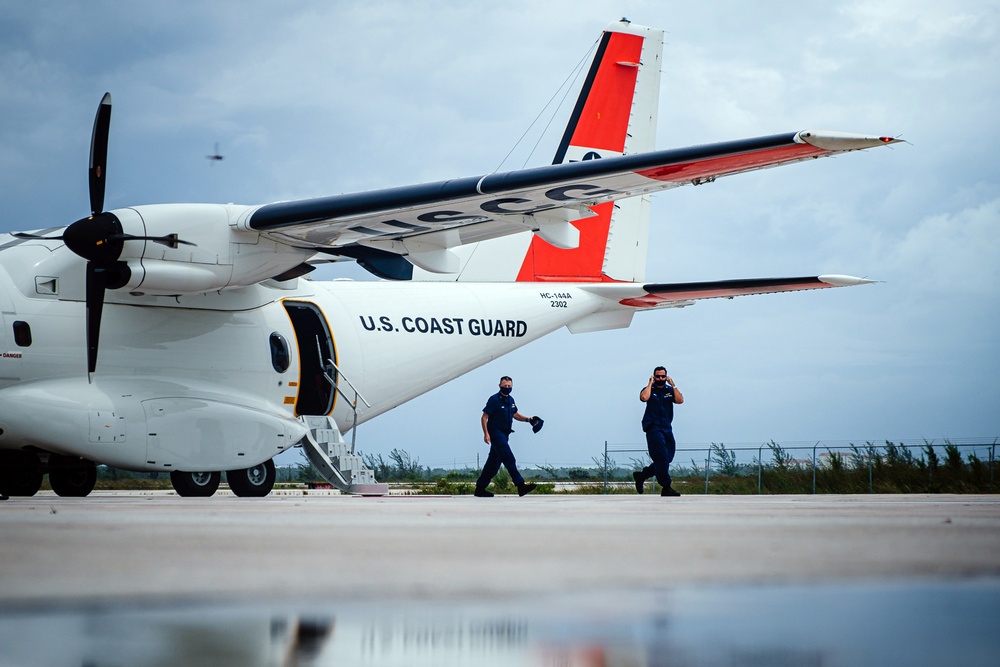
(659, 408)
(500, 410)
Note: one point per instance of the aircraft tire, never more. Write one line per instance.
(254, 482)
(195, 484)
(20, 480)
(75, 480)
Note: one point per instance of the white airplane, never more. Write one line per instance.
(185, 338)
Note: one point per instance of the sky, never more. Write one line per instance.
(306, 99)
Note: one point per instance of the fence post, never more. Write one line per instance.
(814, 467)
(871, 466)
(605, 467)
(760, 469)
(708, 467)
(993, 448)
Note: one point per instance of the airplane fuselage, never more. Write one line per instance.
(217, 381)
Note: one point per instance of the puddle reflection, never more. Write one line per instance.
(913, 623)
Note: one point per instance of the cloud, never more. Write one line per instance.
(953, 253)
(920, 23)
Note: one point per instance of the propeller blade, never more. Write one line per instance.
(25, 235)
(170, 240)
(90, 233)
(97, 281)
(99, 154)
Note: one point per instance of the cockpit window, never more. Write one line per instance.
(22, 334)
(280, 357)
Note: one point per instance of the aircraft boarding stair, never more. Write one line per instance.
(335, 459)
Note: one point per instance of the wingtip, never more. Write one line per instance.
(843, 141)
(838, 280)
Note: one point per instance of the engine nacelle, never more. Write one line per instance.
(221, 255)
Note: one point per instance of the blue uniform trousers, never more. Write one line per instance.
(661, 446)
(500, 453)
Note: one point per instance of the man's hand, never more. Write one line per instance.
(483, 421)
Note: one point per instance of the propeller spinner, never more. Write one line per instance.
(99, 238)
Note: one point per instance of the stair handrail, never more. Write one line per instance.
(348, 381)
(336, 387)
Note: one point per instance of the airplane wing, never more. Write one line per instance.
(424, 221)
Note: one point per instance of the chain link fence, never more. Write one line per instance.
(959, 465)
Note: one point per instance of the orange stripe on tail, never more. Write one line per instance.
(598, 127)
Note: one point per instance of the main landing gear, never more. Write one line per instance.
(71, 477)
(195, 484)
(253, 482)
(21, 474)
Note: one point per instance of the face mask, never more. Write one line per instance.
(505, 391)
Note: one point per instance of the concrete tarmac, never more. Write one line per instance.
(128, 545)
(568, 581)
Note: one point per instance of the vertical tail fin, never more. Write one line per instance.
(615, 114)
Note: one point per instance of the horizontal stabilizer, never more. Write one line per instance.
(665, 295)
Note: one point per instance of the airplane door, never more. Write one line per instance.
(315, 345)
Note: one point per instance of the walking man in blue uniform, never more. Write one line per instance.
(498, 417)
(659, 395)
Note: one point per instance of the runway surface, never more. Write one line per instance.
(540, 580)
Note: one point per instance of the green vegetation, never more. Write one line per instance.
(868, 468)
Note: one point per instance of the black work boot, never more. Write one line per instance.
(639, 481)
(525, 489)
(669, 491)
(482, 493)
